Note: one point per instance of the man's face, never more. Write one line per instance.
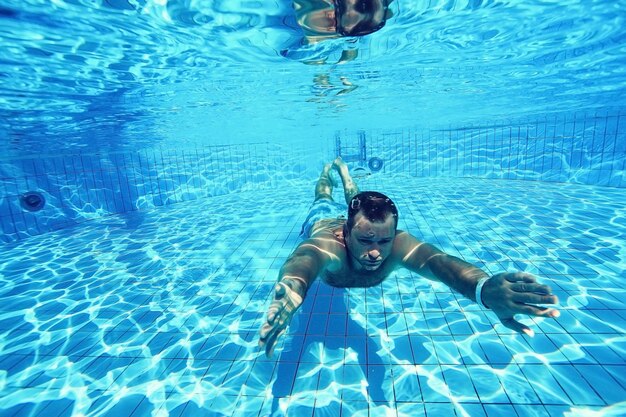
(370, 243)
(347, 15)
(369, 15)
(322, 20)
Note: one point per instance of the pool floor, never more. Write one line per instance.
(156, 313)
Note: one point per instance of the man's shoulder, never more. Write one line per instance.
(403, 243)
(403, 236)
(327, 231)
(328, 240)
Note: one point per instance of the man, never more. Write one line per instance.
(322, 19)
(362, 250)
(331, 19)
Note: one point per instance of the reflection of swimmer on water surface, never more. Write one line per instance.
(333, 19)
(324, 19)
(294, 28)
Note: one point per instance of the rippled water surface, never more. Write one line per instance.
(156, 312)
(127, 73)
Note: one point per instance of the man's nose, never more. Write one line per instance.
(374, 253)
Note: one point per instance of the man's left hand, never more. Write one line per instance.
(511, 293)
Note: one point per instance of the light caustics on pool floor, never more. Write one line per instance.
(156, 313)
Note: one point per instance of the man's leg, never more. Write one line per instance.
(350, 188)
(324, 186)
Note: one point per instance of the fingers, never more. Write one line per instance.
(526, 293)
(276, 310)
(271, 344)
(279, 291)
(269, 335)
(285, 302)
(519, 276)
(535, 311)
(279, 305)
(276, 318)
(533, 287)
(533, 298)
(512, 324)
(519, 293)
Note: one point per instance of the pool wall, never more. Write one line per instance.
(585, 148)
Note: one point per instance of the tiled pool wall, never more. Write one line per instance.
(84, 186)
(582, 148)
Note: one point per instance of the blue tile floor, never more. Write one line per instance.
(156, 313)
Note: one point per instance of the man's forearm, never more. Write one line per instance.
(301, 270)
(459, 275)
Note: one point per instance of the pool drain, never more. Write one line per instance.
(375, 164)
(32, 201)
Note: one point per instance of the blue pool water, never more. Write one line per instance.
(156, 312)
(158, 157)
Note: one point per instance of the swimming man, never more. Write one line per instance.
(362, 250)
(323, 19)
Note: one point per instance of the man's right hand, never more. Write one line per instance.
(287, 299)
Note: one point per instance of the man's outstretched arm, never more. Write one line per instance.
(506, 293)
(294, 279)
